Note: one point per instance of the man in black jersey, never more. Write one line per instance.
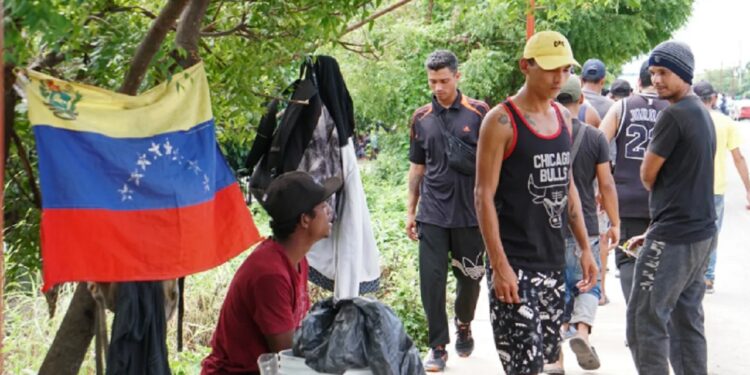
(630, 122)
(523, 185)
(665, 313)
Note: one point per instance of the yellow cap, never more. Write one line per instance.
(550, 50)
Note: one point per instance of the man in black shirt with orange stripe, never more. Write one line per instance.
(523, 185)
(446, 221)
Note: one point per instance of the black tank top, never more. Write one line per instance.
(532, 195)
(632, 138)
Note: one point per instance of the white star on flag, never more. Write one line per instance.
(126, 193)
(136, 177)
(155, 150)
(143, 161)
(168, 148)
(193, 166)
(206, 185)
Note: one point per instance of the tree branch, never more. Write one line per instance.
(72, 339)
(24, 157)
(240, 26)
(150, 45)
(188, 31)
(143, 10)
(360, 49)
(375, 16)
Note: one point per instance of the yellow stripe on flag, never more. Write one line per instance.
(180, 104)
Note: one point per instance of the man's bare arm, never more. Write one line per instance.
(416, 175)
(592, 117)
(495, 137)
(608, 192)
(611, 121)
(282, 341)
(741, 165)
(578, 227)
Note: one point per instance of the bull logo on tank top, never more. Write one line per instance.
(548, 184)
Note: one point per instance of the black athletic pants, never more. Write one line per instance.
(463, 250)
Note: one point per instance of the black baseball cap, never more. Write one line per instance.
(620, 88)
(704, 89)
(294, 193)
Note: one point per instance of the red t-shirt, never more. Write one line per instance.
(267, 296)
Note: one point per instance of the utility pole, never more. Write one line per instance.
(530, 20)
(2, 187)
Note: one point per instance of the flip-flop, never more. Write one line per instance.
(553, 370)
(585, 354)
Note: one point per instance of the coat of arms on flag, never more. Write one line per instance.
(133, 187)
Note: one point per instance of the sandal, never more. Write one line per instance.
(585, 354)
(553, 369)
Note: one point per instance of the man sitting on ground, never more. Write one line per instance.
(268, 298)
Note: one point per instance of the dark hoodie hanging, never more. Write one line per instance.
(335, 96)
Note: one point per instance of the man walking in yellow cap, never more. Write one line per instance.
(523, 187)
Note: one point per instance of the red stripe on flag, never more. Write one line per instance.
(106, 245)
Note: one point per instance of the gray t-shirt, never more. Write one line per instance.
(600, 103)
(682, 199)
(593, 151)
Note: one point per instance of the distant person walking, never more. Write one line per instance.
(593, 75)
(678, 169)
(620, 89)
(440, 208)
(727, 141)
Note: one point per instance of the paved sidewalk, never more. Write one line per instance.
(727, 325)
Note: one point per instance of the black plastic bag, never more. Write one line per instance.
(356, 333)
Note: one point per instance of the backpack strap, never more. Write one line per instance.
(578, 140)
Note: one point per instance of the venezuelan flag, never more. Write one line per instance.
(133, 187)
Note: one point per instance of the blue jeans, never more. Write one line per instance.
(711, 270)
(580, 307)
(665, 311)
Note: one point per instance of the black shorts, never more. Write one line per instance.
(528, 335)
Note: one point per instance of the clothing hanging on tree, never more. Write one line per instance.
(314, 135)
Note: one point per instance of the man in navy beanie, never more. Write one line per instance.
(664, 313)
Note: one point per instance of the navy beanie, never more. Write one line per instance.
(675, 56)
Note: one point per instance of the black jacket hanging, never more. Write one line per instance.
(335, 96)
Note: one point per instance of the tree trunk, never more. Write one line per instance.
(430, 8)
(73, 337)
(10, 98)
(150, 45)
(2, 193)
(188, 32)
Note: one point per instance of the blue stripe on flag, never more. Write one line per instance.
(90, 170)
